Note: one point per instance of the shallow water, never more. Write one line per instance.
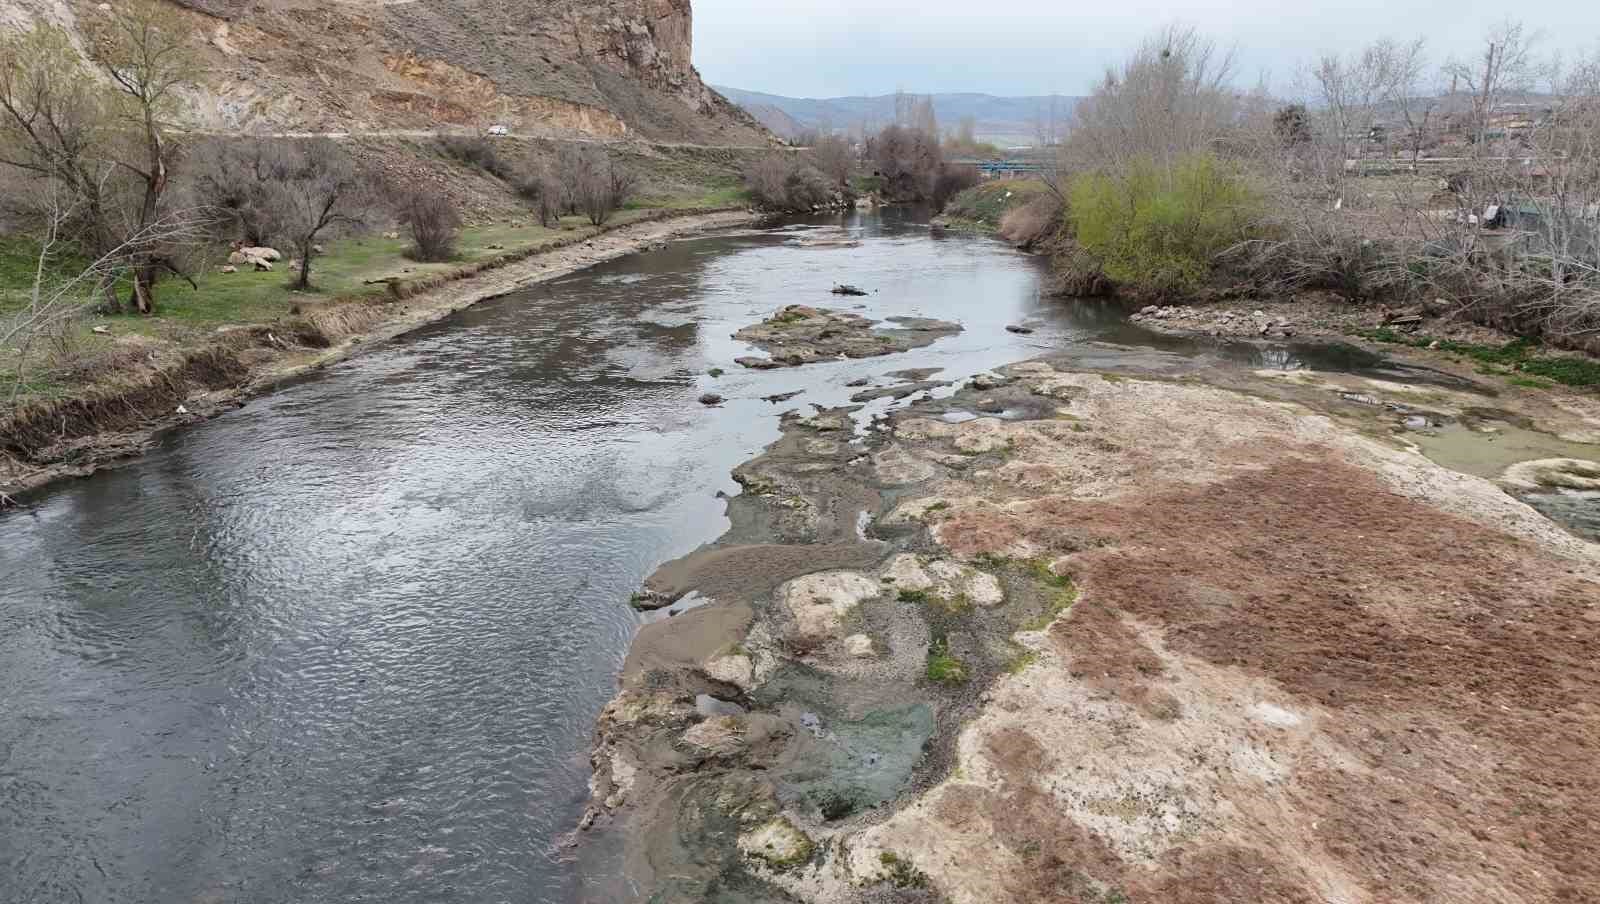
(348, 643)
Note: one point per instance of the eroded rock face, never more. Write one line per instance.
(613, 68)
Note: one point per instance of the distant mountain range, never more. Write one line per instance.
(1002, 120)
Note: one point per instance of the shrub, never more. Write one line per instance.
(478, 152)
(435, 224)
(787, 183)
(1159, 229)
(547, 195)
(1033, 223)
(951, 181)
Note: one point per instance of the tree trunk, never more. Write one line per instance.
(305, 262)
(144, 281)
(108, 290)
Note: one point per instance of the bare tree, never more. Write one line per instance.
(545, 191)
(834, 157)
(1412, 96)
(315, 186)
(435, 223)
(55, 126)
(600, 187)
(235, 178)
(1170, 99)
(909, 160)
(1507, 65)
(143, 48)
(56, 298)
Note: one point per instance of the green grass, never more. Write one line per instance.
(944, 668)
(982, 206)
(19, 258)
(1518, 357)
(716, 197)
(185, 314)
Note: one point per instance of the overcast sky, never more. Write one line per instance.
(830, 48)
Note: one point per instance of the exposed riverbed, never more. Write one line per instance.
(349, 642)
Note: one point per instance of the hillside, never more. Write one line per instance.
(611, 69)
(1003, 120)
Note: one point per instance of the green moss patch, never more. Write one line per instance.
(1519, 357)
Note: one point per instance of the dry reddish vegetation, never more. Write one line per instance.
(1418, 628)
(1300, 668)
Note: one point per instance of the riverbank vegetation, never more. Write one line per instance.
(1483, 202)
(906, 162)
(124, 235)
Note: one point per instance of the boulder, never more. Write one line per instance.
(735, 668)
(230, 269)
(817, 603)
(778, 844)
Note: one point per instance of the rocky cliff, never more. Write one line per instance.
(613, 68)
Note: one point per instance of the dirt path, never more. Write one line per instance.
(260, 361)
(1151, 640)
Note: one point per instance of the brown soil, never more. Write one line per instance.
(1413, 627)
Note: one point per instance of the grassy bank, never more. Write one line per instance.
(103, 396)
(368, 268)
(983, 208)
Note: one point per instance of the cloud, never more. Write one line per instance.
(826, 48)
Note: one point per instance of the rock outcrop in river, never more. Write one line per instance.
(1135, 640)
(800, 334)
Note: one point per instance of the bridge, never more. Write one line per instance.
(1001, 169)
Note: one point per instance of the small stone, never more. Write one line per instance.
(230, 269)
(711, 398)
(859, 646)
(1020, 330)
(1150, 309)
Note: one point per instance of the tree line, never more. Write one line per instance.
(1378, 174)
(905, 161)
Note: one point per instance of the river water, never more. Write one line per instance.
(347, 643)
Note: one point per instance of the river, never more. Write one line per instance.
(347, 643)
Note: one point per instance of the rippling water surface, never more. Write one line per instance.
(347, 643)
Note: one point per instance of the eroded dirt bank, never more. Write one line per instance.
(105, 427)
(1222, 637)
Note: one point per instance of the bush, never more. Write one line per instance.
(435, 224)
(547, 195)
(1033, 223)
(478, 152)
(785, 182)
(1160, 230)
(951, 181)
